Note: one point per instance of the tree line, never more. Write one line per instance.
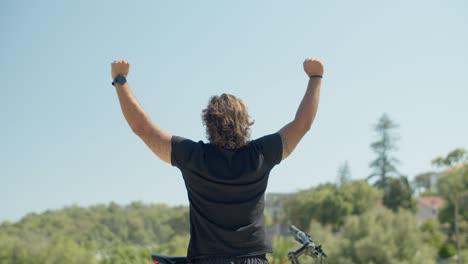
(97, 234)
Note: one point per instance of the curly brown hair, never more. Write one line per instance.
(227, 121)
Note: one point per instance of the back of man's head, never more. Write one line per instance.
(227, 121)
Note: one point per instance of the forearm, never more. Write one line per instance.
(307, 110)
(293, 132)
(131, 109)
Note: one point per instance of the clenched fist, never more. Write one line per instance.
(119, 67)
(313, 66)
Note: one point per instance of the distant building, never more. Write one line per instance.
(429, 207)
(274, 208)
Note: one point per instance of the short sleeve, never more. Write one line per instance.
(183, 151)
(272, 148)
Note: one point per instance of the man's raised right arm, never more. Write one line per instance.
(293, 132)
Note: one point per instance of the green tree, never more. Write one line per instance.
(344, 174)
(330, 205)
(453, 185)
(398, 194)
(447, 250)
(381, 236)
(176, 246)
(281, 246)
(13, 250)
(361, 195)
(123, 254)
(64, 250)
(432, 233)
(384, 166)
(323, 203)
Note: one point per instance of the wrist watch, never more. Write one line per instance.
(119, 79)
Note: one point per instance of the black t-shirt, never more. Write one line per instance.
(226, 193)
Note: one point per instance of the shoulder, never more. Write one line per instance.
(178, 140)
(271, 147)
(184, 149)
(268, 139)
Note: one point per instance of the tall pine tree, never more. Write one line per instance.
(384, 165)
(344, 174)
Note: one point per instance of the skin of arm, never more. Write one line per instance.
(293, 132)
(158, 140)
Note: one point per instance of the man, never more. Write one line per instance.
(226, 178)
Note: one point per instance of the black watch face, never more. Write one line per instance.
(120, 79)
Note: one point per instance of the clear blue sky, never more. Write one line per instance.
(64, 140)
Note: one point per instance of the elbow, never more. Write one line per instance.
(137, 129)
(303, 126)
(307, 127)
